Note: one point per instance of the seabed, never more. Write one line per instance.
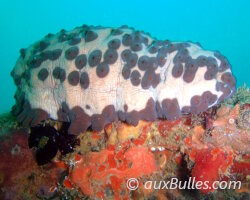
(47, 163)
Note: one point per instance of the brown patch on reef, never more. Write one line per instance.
(244, 117)
(21, 177)
(226, 131)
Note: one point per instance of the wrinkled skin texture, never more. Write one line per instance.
(92, 76)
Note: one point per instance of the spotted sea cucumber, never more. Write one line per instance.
(92, 76)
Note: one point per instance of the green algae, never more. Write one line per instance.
(241, 96)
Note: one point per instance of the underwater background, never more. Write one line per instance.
(217, 25)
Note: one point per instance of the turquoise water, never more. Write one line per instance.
(217, 25)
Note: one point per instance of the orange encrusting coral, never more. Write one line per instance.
(241, 167)
(105, 160)
(110, 168)
(211, 165)
(127, 154)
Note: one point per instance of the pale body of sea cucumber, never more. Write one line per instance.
(92, 76)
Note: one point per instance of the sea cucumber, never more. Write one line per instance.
(92, 76)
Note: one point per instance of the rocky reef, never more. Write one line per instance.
(211, 146)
